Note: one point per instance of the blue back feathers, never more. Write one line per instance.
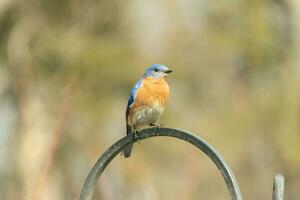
(132, 95)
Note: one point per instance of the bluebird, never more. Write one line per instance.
(147, 101)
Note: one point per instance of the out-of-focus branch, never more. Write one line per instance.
(64, 109)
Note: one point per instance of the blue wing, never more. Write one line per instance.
(132, 96)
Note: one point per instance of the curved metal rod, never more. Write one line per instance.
(111, 152)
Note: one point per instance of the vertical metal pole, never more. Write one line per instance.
(278, 187)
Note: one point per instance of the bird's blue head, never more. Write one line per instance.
(157, 71)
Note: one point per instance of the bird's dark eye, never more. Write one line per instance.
(156, 70)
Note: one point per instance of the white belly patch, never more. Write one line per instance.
(147, 115)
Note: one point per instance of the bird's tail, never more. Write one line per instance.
(127, 150)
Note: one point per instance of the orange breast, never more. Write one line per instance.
(153, 90)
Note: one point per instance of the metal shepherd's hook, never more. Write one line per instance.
(212, 153)
(115, 149)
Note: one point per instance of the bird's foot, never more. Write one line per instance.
(135, 136)
(157, 126)
(152, 124)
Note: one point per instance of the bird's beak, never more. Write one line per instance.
(168, 71)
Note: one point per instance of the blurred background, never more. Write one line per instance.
(66, 69)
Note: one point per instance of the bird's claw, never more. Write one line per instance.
(135, 136)
(155, 125)
(157, 129)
